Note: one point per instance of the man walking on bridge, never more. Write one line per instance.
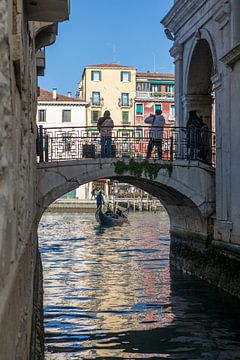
(156, 133)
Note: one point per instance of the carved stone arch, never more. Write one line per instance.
(202, 67)
(202, 34)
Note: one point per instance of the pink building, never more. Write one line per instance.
(154, 91)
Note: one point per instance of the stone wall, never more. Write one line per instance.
(207, 61)
(18, 235)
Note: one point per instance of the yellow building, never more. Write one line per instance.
(109, 87)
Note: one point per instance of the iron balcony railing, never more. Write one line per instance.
(154, 95)
(73, 143)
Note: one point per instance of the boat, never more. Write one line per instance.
(111, 219)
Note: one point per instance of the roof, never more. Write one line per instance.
(155, 75)
(110, 66)
(46, 95)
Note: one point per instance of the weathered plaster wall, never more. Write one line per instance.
(18, 239)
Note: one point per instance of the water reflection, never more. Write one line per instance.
(109, 293)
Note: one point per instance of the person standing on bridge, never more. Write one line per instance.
(105, 125)
(156, 133)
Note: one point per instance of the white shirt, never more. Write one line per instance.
(158, 122)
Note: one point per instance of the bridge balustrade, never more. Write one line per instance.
(74, 143)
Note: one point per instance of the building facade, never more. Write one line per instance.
(59, 111)
(109, 87)
(154, 91)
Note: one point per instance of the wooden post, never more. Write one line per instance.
(40, 143)
(46, 148)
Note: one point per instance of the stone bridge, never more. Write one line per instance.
(187, 192)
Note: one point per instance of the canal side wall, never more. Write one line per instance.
(20, 270)
(214, 261)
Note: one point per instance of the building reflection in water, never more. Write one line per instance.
(109, 293)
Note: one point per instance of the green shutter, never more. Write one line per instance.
(158, 107)
(139, 109)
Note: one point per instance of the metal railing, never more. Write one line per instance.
(73, 143)
(154, 95)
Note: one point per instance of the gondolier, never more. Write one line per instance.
(100, 200)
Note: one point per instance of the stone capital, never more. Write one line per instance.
(177, 51)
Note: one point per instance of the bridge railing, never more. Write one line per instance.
(73, 143)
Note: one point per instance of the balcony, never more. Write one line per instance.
(125, 104)
(143, 95)
(40, 62)
(47, 10)
(96, 102)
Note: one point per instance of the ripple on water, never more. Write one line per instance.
(109, 294)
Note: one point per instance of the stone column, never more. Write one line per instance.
(177, 53)
(235, 18)
(90, 187)
(106, 190)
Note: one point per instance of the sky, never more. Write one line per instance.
(126, 32)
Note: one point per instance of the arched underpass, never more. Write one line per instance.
(188, 194)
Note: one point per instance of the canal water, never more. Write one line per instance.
(109, 294)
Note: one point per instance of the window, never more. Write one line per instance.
(156, 88)
(42, 115)
(125, 117)
(172, 112)
(139, 109)
(96, 98)
(170, 88)
(158, 107)
(125, 99)
(94, 116)
(66, 115)
(125, 76)
(96, 75)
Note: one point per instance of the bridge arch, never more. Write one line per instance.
(187, 193)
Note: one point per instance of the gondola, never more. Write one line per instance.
(111, 219)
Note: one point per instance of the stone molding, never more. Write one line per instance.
(180, 13)
(223, 14)
(231, 57)
(177, 52)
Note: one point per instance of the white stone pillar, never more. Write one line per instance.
(177, 53)
(106, 190)
(235, 17)
(90, 188)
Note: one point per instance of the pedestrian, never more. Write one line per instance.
(105, 125)
(193, 134)
(156, 133)
(205, 142)
(100, 200)
(93, 194)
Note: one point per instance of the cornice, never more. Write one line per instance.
(231, 57)
(180, 13)
(62, 103)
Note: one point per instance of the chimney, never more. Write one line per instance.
(69, 94)
(54, 93)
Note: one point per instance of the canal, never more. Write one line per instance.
(109, 294)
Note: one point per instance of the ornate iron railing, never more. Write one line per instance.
(73, 143)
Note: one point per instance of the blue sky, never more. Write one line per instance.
(127, 32)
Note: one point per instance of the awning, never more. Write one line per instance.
(162, 82)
